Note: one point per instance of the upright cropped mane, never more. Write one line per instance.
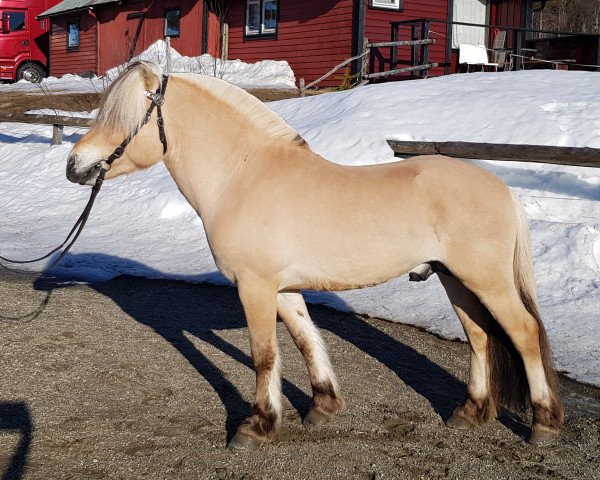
(243, 102)
(123, 105)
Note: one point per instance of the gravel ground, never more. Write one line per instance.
(139, 378)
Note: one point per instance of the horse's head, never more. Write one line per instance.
(121, 116)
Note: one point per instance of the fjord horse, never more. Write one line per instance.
(279, 218)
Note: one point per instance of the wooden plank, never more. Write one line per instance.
(401, 70)
(45, 119)
(403, 43)
(576, 156)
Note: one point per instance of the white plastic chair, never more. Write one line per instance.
(474, 55)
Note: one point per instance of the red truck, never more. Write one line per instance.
(24, 41)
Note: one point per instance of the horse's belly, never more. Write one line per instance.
(348, 270)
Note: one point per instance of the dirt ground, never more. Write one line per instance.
(139, 378)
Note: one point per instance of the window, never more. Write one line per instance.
(469, 11)
(16, 20)
(172, 22)
(261, 17)
(73, 36)
(388, 4)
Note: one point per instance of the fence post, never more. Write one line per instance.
(425, 29)
(57, 134)
(518, 46)
(301, 84)
(394, 49)
(414, 53)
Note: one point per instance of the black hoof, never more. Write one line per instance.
(459, 422)
(543, 436)
(241, 441)
(314, 419)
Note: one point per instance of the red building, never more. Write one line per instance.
(313, 36)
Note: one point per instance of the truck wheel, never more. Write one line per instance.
(31, 72)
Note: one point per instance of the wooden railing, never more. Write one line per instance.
(576, 156)
(58, 122)
(369, 50)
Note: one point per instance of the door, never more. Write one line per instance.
(14, 41)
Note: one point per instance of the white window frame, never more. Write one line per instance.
(262, 30)
(387, 4)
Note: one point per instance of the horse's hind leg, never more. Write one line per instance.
(258, 298)
(326, 398)
(479, 406)
(528, 337)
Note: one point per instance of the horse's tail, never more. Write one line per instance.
(507, 371)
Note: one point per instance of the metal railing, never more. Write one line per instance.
(517, 41)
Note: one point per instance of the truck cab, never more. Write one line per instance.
(24, 41)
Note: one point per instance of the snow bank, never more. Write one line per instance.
(141, 224)
(271, 73)
(263, 74)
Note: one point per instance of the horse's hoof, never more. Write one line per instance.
(315, 419)
(242, 441)
(542, 437)
(459, 422)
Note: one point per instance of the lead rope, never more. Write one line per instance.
(157, 100)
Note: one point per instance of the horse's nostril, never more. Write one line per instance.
(71, 173)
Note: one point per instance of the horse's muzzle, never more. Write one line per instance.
(85, 177)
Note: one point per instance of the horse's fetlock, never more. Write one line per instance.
(546, 425)
(261, 423)
(547, 418)
(477, 411)
(326, 400)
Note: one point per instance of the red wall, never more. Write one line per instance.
(106, 35)
(377, 28)
(115, 32)
(508, 13)
(76, 61)
(312, 36)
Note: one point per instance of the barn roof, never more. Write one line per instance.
(72, 6)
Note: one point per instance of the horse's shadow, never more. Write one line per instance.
(17, 417)
(198, 310)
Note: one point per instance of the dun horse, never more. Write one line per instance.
(279, 218)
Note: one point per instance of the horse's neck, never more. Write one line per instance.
(203, 174)
(213, 146)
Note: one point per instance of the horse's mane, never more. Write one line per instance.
(123, 105)
(246, 104)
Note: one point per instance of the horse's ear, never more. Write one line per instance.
(149, 78)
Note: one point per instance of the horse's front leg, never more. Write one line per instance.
(327, 400)
(259, 299)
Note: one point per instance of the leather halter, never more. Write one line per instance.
(157, 98)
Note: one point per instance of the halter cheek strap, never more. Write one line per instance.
(158, 99)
